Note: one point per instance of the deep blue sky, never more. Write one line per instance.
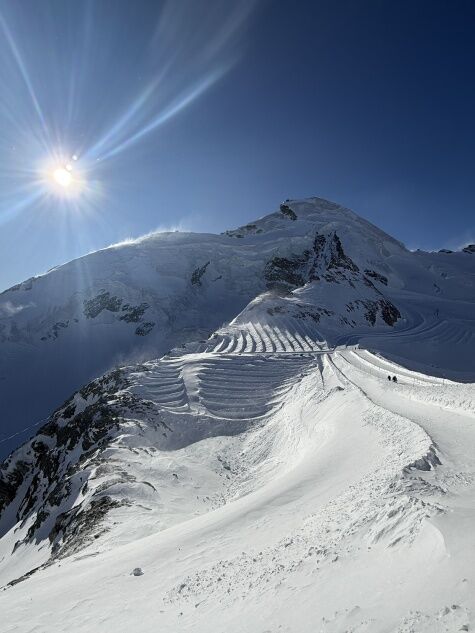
(368, 103)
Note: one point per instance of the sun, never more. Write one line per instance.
(62, 176)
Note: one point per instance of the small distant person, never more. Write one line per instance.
(394, 378)
(389, 377)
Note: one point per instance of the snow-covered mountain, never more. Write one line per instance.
(249, 458)
(135, 301)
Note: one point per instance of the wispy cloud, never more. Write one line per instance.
(7, 308)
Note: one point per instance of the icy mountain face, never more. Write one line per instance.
(346, 296)
(136, 301)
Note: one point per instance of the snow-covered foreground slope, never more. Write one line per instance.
(293, 491)
(264, 474)
(135, 301)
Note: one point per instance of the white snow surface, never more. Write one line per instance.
(317, 514)
(267, 477)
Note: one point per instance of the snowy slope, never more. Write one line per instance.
(266, 476)
(136, 301)
(293, 491)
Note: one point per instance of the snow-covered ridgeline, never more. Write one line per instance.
(135, 301)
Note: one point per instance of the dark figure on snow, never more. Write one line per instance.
(389, 377)
(394, 379)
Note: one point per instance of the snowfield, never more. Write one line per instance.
(267, 477)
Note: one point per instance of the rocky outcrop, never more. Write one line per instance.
(372, 274)
(103, 301)
(287, 211)
(287, 272)
(198, 273)
(328, 263)
(45, 482)
(244, 231)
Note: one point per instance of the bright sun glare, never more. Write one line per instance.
(63, 176)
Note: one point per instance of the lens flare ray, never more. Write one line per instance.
(191, 48)
(23, 70)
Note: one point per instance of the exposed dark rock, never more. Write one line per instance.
(286, 210)
(286, 271)
(11, 480)
(428, 462)
(470, 248)
(243, 231)
(374, 275)
(330, 261)
(103, 301)
(137, 571)
(14, 582)
(338, 257)
(276, 310)
(318, 245)
(133, 314)
(7, 493)
(198, 273)
(75, 529)
(54, 333)
(60, 450)
(305, 311)
(145, 328)
(389, 312)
